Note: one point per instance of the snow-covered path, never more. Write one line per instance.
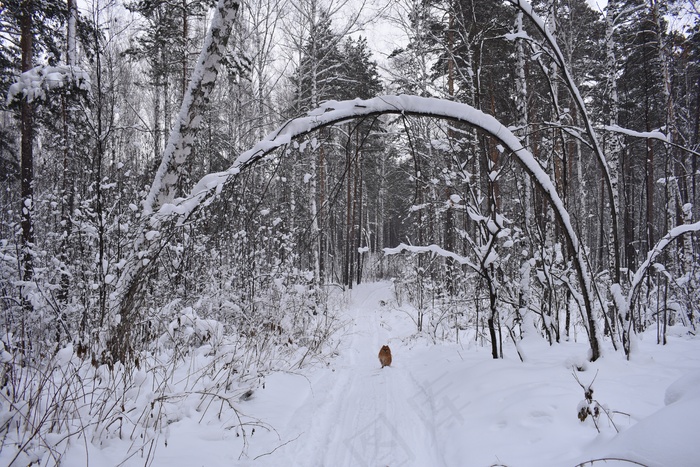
(443, 404)
(360, 414)
(451, 404)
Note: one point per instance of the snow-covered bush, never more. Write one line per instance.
(48, 406)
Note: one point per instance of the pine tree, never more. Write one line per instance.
(36, 32)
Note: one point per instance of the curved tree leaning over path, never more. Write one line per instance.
(334, 112)
(127, 296)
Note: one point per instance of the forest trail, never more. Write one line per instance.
(359, 413)
(443, 403)
(440, 403)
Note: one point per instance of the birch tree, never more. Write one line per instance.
(127, 297)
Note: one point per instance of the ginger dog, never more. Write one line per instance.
(385, 356)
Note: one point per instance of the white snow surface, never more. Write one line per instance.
(442, 404)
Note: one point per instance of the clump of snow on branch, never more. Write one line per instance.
(35, 84)
(434, 249)
(637, 134)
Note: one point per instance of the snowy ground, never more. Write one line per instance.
(449, 404)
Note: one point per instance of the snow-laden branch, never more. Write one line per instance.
(434, 249)
(637, 134)
(654, 253)
(335, 112)
(657, 135)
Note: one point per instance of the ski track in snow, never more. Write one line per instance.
(364, 414)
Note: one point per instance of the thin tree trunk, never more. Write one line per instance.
(521, 108)
(322, 239)
(71, 33)
(347, 275)
(360, 214)
(67, 188)
(381, 215)
(27, 154)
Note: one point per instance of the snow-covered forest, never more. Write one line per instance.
(214, 213)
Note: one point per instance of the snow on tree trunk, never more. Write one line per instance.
(70, 32)
(314, 168)
(550, 144)
(195, 100)
(522, 123)
(614, 148)
(527, 9)
(687, 263)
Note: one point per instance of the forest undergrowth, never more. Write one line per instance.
(196, 367)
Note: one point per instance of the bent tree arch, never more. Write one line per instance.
(335, 112)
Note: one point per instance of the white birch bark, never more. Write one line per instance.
(615, 146)
(528, 11)
(179, 145)
(70, 32)
(313, 208)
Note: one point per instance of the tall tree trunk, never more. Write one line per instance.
(449, 224)
(614, 148)
(71, 33)
(521, 109)
(27, 153)
(381, 220)
(68, 175)
(321, 215)
(358, 222)
(347, 274)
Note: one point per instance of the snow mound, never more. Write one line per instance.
(662, 439)
(687, 387)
